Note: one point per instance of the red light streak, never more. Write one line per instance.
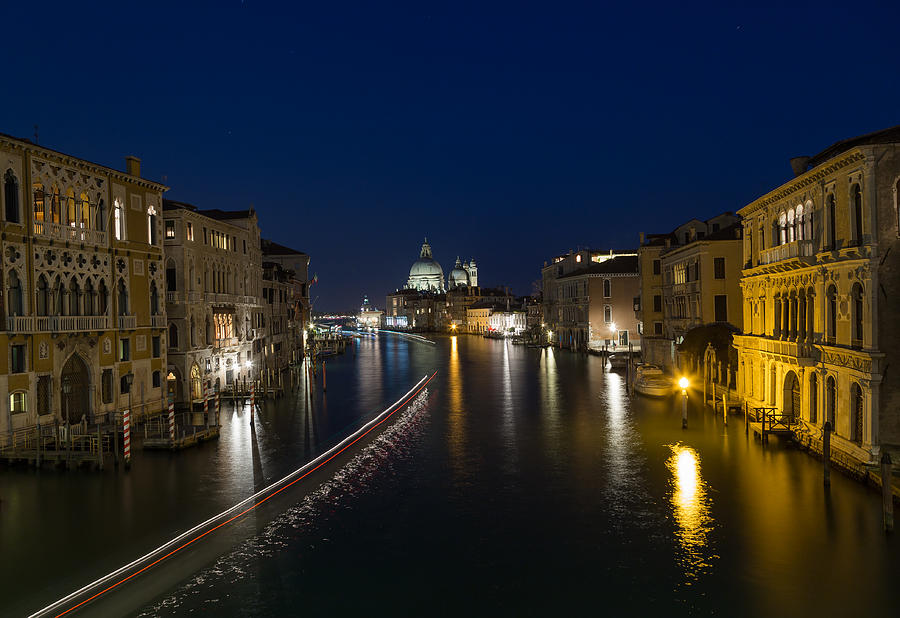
(245, 511)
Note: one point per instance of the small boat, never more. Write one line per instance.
(619, 360)
(650, 380)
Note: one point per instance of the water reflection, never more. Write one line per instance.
(690, 504)
(456, 414)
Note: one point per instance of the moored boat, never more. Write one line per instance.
(650, 380)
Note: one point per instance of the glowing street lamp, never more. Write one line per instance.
(683, 383)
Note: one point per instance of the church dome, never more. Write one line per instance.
(458, 276)
(426, 273)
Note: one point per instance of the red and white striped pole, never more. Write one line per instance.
(126, 419)
(171, 417)
(218, 395)
(252, 401)
(206, 405)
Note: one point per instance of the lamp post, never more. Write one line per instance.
(683, 383)
(66, 390)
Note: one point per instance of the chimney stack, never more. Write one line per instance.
(799, 165)
(133, 166)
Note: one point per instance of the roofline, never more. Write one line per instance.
(26, 144)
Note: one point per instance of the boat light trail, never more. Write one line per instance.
(169, 548)
(408, 335)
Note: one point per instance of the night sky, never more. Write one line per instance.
(509, 134)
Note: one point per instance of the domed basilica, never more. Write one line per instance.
(426, 275)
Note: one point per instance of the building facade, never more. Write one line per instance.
(216, 318)
(595, 305)
(82, 284)
(820, 277)
(298, 263)
(279, 347)
(689, 277)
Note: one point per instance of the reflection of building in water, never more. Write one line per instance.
(690, 505)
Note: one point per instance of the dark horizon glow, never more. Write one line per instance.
(508, 133)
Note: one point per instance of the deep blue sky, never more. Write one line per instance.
(508, 133)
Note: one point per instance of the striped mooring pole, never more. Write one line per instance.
(218, 395)
(126, 419)
(252, 401)
(171, 417)
(206, 405)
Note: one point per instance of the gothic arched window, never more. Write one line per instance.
(16, 306)
(11, 195)
(856, 205)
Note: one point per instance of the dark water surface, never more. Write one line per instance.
(526, 483)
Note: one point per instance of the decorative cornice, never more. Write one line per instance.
(801, 182)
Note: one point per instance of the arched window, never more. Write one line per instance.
(123, 298)
(193, 333)
(85, 210)
(798, 223)
(607, 288)
(782, 229)
(103, 299)
(173, 336)
(154, 299)
(831, 240)
(151, 225)
(90, 298)
(789, 230)
(607, 314)
(101, 216)
(59, 297)
(11, 195)
(37, 190)
(15, 295)
(71, 208)
(856, 409)
(208, 333)
(54, 204)
(857, 297)
(118, 220)
(171, 276)
(856, 205)
(830, 400)
(42, 300)
(74, 297)
(831, 333)
(813, 398)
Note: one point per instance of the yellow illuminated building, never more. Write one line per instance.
(820, 332)
(82, 282)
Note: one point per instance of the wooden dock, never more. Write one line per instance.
(186, 440)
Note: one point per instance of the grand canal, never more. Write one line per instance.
(527, 482)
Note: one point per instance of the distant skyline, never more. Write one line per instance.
(505, 132)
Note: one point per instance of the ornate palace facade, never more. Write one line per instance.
(82, 284)
(216, 321)
(819, 282)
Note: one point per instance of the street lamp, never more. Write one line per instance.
(683, 383)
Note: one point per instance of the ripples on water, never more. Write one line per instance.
(390, 448)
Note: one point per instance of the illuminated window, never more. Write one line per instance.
(190, 231)
(118, 227)
(170, 228)
(151, 225)
(17, 402)
(578, 258)
(85, 210)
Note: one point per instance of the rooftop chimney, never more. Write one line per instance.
(799, 165)
(133, 166)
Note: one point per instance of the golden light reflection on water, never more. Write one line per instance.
(691, 509)
(456, 416)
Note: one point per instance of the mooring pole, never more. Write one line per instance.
(725, 410)
(684, 408)
(887, 495)
(826, 453)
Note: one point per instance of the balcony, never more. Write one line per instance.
(797, 253)
(157, 321)
(71, 233)
(800, 350)
(57, 323)
(20, 324)
(127, 322)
